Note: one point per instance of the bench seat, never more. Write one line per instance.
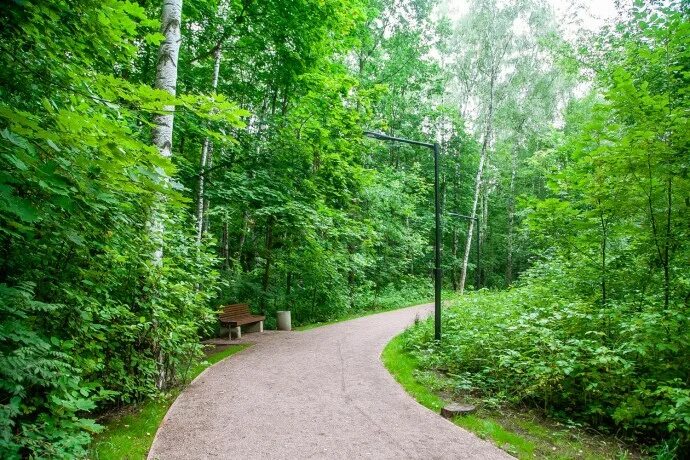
(237, 315)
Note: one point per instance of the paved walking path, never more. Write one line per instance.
(322, 393)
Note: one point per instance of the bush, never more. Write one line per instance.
(623, 368)
(42, 392)
(111, 340)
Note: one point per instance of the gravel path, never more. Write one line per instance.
(322, 393)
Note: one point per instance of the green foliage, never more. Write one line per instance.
(88, 319)
(293, 204)
(538, 345)
(43, 393)
(295, 210)
(597, 329)
(129, 434)
(520, 432)
(309, 216)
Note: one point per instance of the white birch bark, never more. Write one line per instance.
(511, 217)
(478, 184)
(166, 73)
(166, 80)
(470, 230)
(201, 203)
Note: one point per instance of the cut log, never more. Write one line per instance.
(453, 410)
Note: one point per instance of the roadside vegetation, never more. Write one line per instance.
(392, 301)
(161, 158)
(523, 432)
(128, 433)
(529, 350)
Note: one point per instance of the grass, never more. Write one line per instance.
(524, 434)
(306, 327)
(129, 434)
(403, 365)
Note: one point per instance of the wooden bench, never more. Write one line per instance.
(239, 315)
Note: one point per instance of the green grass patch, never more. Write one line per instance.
(402, 366)
(488, 428)
(128, 434)
(525, 435)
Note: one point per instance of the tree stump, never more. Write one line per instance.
(452, 410)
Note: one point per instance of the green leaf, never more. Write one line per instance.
(19, 164)
(52, 144)
(22, 208)
(17, 140)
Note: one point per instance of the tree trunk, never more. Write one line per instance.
(351, 275)
(667, 243)
(243, 237)
(662, 250)
(225, 245)
(482, 237)
(511, 219)
(166, 80)
(166, 73)
(180, 149)
(267, 267)
(205, 220)
(604, 241)
(478, 184)
(201, 201)
(162, 133)
(454, 249)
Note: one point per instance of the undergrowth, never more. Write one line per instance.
(618, 371)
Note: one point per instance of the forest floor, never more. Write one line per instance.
(523, 433)
(320, 393)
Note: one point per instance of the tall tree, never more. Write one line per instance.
(166, 80)
(485, 37)
(206, 151)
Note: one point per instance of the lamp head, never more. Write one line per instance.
(375, 135)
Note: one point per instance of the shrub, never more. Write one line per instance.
(623, 368)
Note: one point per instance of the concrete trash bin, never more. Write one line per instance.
(284, 321)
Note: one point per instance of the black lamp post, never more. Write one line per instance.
(437, 204)
(476, 221)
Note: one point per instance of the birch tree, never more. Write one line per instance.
(477, 188)
(509, 92)
(166, 73)
(206, 151)
(166, 80)
(484, 39)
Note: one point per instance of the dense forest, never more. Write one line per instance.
(160, 159)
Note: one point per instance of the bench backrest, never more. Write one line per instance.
(238, 310)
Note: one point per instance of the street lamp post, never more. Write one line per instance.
(437, 205)
(476, 226)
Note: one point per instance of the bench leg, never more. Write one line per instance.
(235, 333)
(255, 327)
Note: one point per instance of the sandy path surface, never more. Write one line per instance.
(322, 393)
